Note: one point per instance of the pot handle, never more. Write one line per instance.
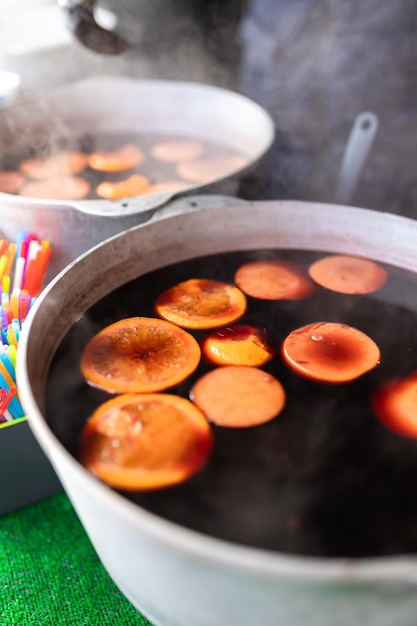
(188, 204)
(124, 207)
(146, 206)
(358, 147)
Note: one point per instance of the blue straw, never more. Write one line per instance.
(14, 407)
(5, 357)
(22, 236)
(16, 327)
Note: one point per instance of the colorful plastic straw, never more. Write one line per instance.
(23, 266)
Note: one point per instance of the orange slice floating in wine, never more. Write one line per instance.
(200, 303)
(238, 345)
(133, 186)
(139, 355)
(275, 280)
(177, 150)
(142, 442)
(11, 181)
(330, 352)
(348, 274)
(205, 170)
(61, 163)
(164, 187)
(123, 158)
(238, 396)
(61, 188)
(395, 404)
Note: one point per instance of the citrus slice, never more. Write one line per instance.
(139, 355)
(133, 186)
(395, 404)
(142, 442)
(61, 163)
(208, 169)
(348, 274)
(165, 187)
(238, 396)
(60, 188)
(330, 352)
(238, 345)
(123, 158)
(275, 280)
(200, 303)
(177, 150)
(11, 181)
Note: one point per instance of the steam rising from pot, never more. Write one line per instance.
(314, 67)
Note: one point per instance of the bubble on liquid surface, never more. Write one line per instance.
(317, 337)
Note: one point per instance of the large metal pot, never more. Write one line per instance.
(121, 105)
(174, 575)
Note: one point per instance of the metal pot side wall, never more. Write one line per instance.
(174, 576)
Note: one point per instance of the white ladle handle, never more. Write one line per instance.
(361, 138)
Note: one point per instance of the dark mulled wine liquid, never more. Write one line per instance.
(324, 478)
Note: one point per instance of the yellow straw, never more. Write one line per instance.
(12, 355)
(11, 337)
(11, 255)
(14, 305)
(5, 284)
(9, 380)
(3, 264)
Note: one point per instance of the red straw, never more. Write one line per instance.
(24, 305)
(3, 246)
(22, 249)
(45, 255)
(6, 398)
